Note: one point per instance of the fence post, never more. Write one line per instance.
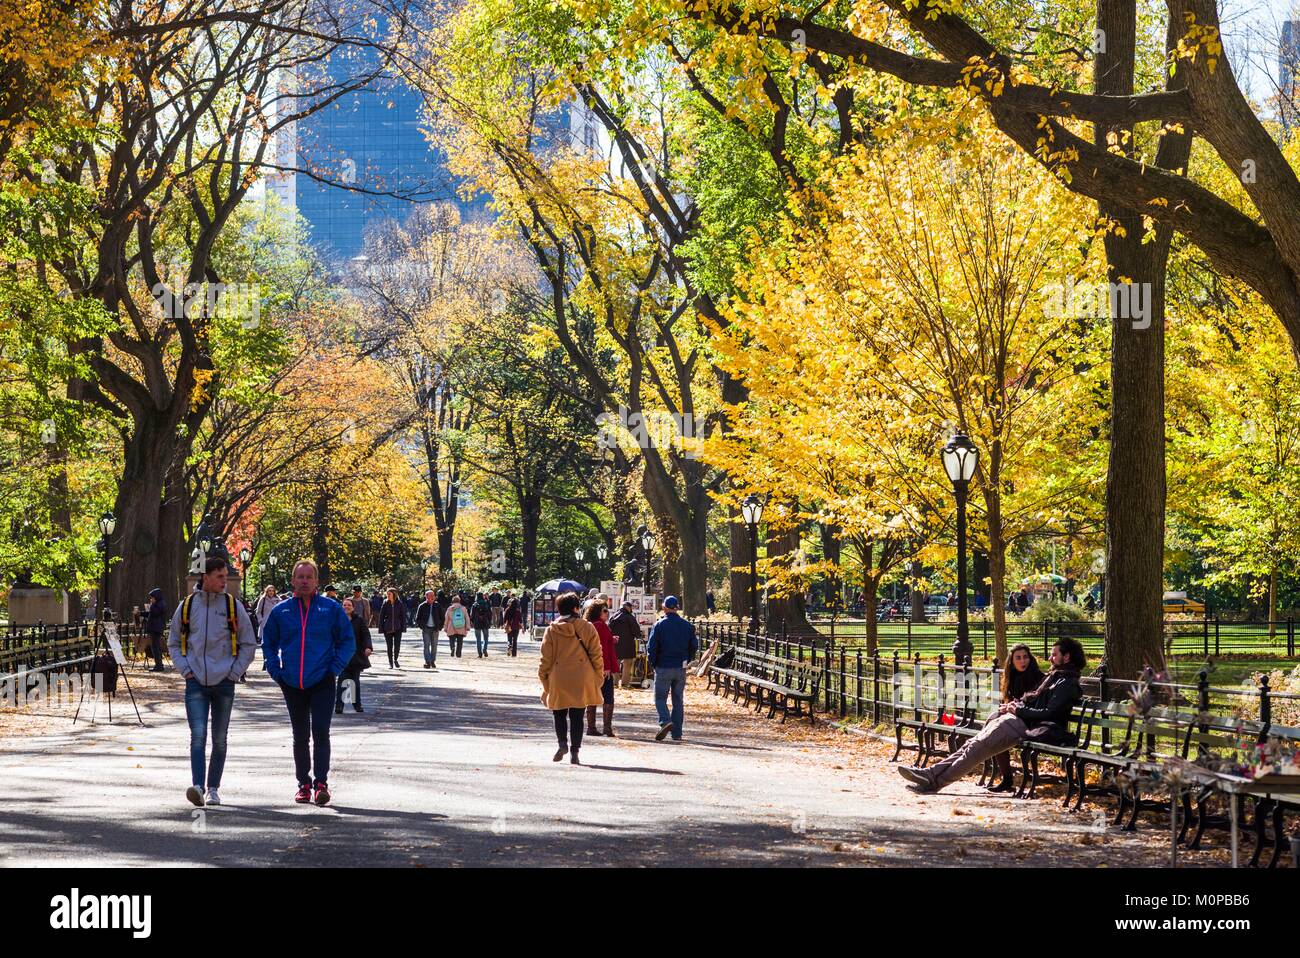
(1203, 705)
(857, 699)
(985, 629)
(1047, 648)
(1205, 639)
(1205, 629)
(1101, 694)
(875, 688)
(893, 688)
(1265, 708)
(843, 701)
(1216, 635)
(1290, 635)
(909, 635)
(916, 687)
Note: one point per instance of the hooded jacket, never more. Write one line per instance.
(572, 667)
(304, 642)
(627, 630)
(207, 655)
(156, 616)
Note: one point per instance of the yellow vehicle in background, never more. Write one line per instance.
(1177, 603)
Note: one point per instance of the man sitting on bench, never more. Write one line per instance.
(1042, 715)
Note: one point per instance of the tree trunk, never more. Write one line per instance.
(147, 460)
(1272, 602)
(918, 597)
(831, 552)
(871, 585)
(1135, 476)
(738, 574)
(320, 549)
(787, 614)
(997, 570)
(530, 510)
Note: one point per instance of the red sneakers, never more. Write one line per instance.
(322, 796)
(303, 795)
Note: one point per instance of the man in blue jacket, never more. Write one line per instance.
(671, 645)
(307, 643)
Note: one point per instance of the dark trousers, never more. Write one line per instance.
(455, 643)
(352, 675)
(310, 711)
(394, 643)
(568, 727)
(156, 649)
(512, 643)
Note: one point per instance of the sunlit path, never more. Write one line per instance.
(454, 767)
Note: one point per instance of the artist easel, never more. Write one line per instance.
(106, 637)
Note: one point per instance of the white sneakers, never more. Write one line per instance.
(196, 797)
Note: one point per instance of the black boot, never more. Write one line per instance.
(560, 752)
(573, 757)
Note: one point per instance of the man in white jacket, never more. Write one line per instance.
(212, 644)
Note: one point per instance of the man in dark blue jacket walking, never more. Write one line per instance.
(671, 645)
(307, 643)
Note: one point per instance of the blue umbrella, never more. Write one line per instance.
(561, 585)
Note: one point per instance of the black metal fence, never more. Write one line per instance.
(879, 687)
(1183, 636)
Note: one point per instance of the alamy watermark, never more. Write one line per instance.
(1127, 301)
(33, 689)
(647, 430)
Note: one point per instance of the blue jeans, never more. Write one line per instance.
(199, 699)
(430, 645)
(666, 681)
(481, 639)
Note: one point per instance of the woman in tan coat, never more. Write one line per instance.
(571, 672)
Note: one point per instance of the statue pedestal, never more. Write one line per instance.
(31, 604)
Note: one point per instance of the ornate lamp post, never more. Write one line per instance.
(244, 557)
(602, 553)
(647, 543)
(751, 510)
(960, 457)
(578, 553)
(107, 525)
(273, 560)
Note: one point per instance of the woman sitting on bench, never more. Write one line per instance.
(1020, 676)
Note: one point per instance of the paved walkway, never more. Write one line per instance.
(454, 767)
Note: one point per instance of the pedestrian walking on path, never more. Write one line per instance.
(155, 626)
(596, 614)
(671, 645)
(308, 642)
(350, 681)
(428, 619)
(267, 601)
(361, 604)
(627, 631)
(571, 669)
(480, 617)
(212, 645)
(513, 620)
(392, 622)
(456, 625)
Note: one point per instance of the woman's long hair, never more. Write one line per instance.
(393, 596)
(593, 611)
(1016, 683)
